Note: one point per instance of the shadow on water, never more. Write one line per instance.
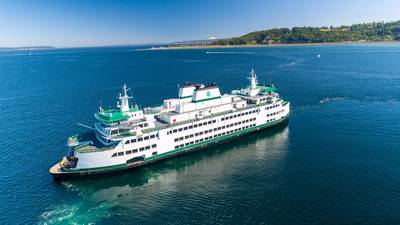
(153, 185)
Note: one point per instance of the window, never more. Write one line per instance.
(113, 155)
(140, 139)
(191, 135)
(177, 146)
(133, 140)
(128, 152)
(195, 125)
(200, 124)
(141, 149)
(205, 123)
(190, 127)
(185, 128)
(180, 129)
(127, 142)
(134, 150)
(147, 147)
(175, 131)
(181, 145)
(120, 153)
(187, 136)
(209, 122)
(152, 136)
(154, 153)
(192, 142)
(181, 138)
(146, 138)
(222, 119)
(214, 121)
(154, 145)
(176, 139)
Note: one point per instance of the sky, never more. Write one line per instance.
(77, 23)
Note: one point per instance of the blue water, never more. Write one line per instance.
(336, 162)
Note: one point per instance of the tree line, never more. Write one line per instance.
(376, 31)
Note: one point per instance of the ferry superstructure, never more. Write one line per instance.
(127, 136)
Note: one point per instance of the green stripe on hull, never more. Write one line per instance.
(100, 169)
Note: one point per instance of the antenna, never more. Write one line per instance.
(253, 79)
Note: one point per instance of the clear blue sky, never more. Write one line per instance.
(68, 23)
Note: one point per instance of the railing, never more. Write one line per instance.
(92, 148)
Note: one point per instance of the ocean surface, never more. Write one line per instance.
(337, 161)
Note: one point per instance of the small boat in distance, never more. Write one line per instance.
(127, 136)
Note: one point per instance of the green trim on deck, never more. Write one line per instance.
(189, 96)
(111, 117)
(207, 99)
(266, 89)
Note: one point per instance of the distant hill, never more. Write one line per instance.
(376, 31)
(194, 42)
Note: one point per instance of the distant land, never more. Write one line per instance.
(25, 48)
(362, 32)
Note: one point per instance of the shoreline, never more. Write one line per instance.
(266, 46)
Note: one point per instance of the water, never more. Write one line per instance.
(336, 162)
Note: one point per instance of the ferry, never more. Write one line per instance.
(128, 137)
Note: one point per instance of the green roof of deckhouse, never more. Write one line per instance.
(111, 116)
